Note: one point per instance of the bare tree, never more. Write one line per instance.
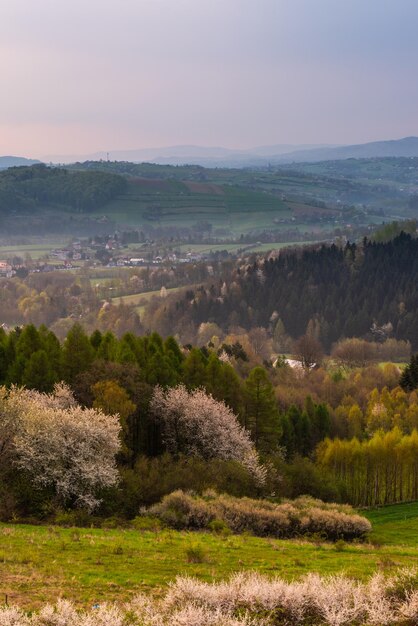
(308, 351)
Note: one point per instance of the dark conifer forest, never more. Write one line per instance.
(344, 291)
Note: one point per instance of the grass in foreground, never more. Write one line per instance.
(38, 564)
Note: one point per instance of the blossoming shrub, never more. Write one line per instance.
(59, 444)
(195, 424)
(249, 599)
(262, 518)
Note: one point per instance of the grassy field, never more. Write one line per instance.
(397, 524)
(141, 298)
(40, 563)
(233, 247)
(173, 203)
(36, 251)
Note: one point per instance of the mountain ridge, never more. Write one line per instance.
(218, 156)
(13, 161)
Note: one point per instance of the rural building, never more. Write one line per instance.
(6, 269)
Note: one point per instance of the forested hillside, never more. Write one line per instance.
(26, 189)
(338, 291)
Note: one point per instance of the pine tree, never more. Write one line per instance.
(38, 373)
(124, 353)
(96, 339)
(160, 371)
(28, 342)
(321, 423)
(3, 363)
(261, 414)
(409, 377)
(172, 350)
(194, 369)
(53, 350)
(108, 347)
(287, 436)
(77, 354)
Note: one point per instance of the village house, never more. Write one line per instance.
(6, 270)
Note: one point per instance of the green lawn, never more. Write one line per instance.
(40, 563)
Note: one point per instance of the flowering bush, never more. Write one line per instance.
(195, 424)
(249, 599)
(58, 443)
(301, 516)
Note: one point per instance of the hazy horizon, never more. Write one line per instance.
(104, 76)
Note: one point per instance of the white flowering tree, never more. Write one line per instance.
(194, 423)
(60, 444)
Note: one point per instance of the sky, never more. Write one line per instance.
(80, 76)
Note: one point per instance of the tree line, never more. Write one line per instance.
(380, 470)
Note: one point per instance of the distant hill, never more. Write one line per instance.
(407, 147)
(12, 161)
(257, 157)
(188, 154)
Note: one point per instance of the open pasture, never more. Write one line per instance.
(40, 563)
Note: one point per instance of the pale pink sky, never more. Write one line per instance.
(84, 76)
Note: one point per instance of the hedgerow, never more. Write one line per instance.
(302, 516)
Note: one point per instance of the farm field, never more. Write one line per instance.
(173, 203)
(233, 247)
(40, 563)
(36, 251)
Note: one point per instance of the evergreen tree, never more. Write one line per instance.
(53, 350)
(321, 423)
(287, 436)
(96, 339)
(38, 373)
(77, 354)
(160, 371)
(214, 375)
(28, 342)
(108, 347)
(194, 369)
(3, 363)
(261, 414)
(409, 377)
(124, 353)
(15, 370)
(172, 350)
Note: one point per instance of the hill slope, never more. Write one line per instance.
(406, 147)
(12, 161)
(342, 291)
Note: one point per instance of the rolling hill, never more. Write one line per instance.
(259, 156)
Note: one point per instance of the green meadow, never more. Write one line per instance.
(88, 565)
